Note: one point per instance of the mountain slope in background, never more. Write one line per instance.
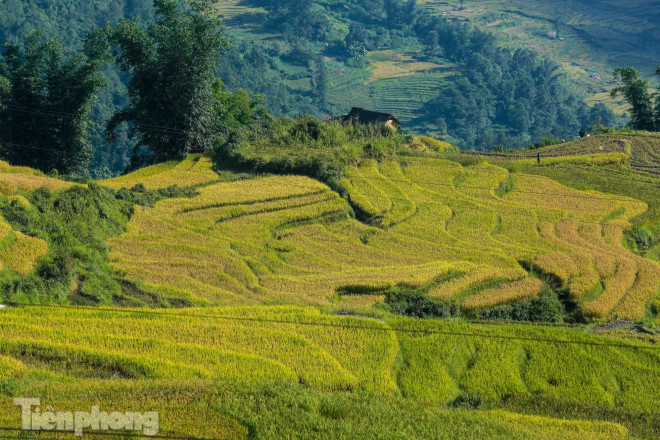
(390, 61)
(595, 36)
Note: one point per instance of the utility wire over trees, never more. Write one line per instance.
(46, 99)
(657, 104)
(171, 64)
(635, 91)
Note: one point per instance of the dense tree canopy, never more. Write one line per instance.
(46, 103)
(171, 64)
(635, 90)
(493, 96)
(69, 21)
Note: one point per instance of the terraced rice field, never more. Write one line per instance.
(196, 170)
(388, 64)
(433, 224)
(14, 179)
(595, 36)
(222, 355)
(19, 252)
(407, 95)
(643, 149)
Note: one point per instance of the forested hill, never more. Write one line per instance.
(439, 76)
(68, 20)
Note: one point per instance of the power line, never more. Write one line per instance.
(346, 327)
(100, 433)
(35, 148)
(53, 113)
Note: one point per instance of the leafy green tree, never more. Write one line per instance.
(320, 83)
(172, 64)
(46, 103)
(657, 104)
(237, 109)
(635, 91)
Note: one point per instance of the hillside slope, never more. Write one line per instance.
(642, 148)
(343, 353)
(450, 231)
(296, 373)
(595, 36)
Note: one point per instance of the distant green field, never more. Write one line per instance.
(596, 35)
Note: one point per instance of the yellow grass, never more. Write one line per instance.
(594, 159)
(10, 183)
(523, 289)
(287, 238)
(10, 367)
(451, 288)
(21, 254)
(194, 171)
(542, 427)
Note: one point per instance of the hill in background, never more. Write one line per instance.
(595, 36)
(438, 77)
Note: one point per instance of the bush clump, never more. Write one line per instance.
(545, 307)
(638, 239)
(417, 305)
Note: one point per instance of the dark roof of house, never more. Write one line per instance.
(369, 116)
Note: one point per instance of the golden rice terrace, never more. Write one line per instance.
(479, 236)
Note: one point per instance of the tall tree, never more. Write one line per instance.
(657, 104)
(46, 103)
(635, 91)
(171, 64)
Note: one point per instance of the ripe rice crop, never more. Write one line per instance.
(593, 159)
(559, 264)
(289, 238)
(451, 288)
(614, 291)
(10, 183)
(19, 252)
(645, 289)
(10, 367)
(194, 171)
(523, 289)
(565, 429)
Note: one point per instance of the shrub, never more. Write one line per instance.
(546, 307)
(638, 238)
(416, 305)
